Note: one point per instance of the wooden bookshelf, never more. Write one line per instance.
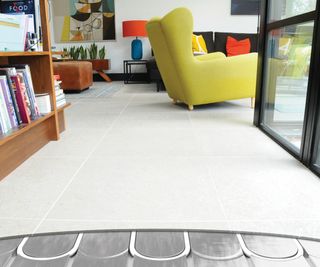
(24, 54)
(18, 145)
(23, 128)
(61, 120)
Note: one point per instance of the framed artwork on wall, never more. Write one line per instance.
(245, 7)
(83, 20)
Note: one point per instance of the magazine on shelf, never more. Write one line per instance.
(13, 32)
(25, 7)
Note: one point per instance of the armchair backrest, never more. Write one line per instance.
(171, 41)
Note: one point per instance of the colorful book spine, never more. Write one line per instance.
(4, 115)
(5, 72)
(1, 129)
(25, 69)
(33, 96)
(28, 97)
(9, 102)
(20, 96)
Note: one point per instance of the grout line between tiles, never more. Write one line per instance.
(81, 166)
(210, 174)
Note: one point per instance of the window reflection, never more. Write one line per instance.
(282, 9)
(288, 62)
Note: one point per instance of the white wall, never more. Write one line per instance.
(209, 15)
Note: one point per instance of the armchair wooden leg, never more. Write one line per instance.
(253, 102)
(175, 101)
(190, 107)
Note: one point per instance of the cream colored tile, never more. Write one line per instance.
(148, 141)
(237, 142)
(17, 227)
(75, 142)
(106, 107)
(153, 120)
(266, 188)
(98, 121)
(141, 189)
(149, 169)
(30, 191)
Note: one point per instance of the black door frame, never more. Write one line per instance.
(310, 136)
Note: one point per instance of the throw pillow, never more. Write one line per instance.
(199, 44)
(235, 47)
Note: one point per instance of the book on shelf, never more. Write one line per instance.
(31, 9)
(4, 115)
(21, 7)
(60, 96)
(24, 102)
(20, 93)
(12, 94)
(24, 71)
(44, 103)
(13, 32)
(17, 98)
(9, 101)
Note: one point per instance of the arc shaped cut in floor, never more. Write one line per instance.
(158, 249)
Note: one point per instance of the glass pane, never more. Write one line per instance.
(316, 155)
(287, 71)
(317, 159)
(282, 9)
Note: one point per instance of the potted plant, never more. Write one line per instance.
(83, 53)
(74, 52)
(92, 54)
(98, 64)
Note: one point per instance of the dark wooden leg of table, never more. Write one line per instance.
(104, 76)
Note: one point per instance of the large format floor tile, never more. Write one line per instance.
(147, 141)
(266, 188)
(155, 120)
(32, 189)
(17, 227)
(131, 159)
(73, 143)
(131, 188)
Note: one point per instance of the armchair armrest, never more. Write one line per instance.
(221, 79)
(211, 56)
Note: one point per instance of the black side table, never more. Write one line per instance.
(128, 74)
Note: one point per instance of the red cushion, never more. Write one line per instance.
(235, 47)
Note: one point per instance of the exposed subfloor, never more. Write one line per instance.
(133, 160)
(158, 249)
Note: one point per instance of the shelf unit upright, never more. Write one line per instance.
(21, 143)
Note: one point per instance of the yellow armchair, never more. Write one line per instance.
(202, 79)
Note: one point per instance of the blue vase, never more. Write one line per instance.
(136, 49)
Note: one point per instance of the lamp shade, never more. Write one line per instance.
(135, 28)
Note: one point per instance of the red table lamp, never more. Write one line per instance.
(135, 28)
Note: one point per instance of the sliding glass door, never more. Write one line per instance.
(288, 47)
(287, 106)
(286, 81)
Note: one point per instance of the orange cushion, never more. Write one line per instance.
(235, 47)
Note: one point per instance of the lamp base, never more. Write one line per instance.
(136, 49)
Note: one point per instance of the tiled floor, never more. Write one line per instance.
(134, 160)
